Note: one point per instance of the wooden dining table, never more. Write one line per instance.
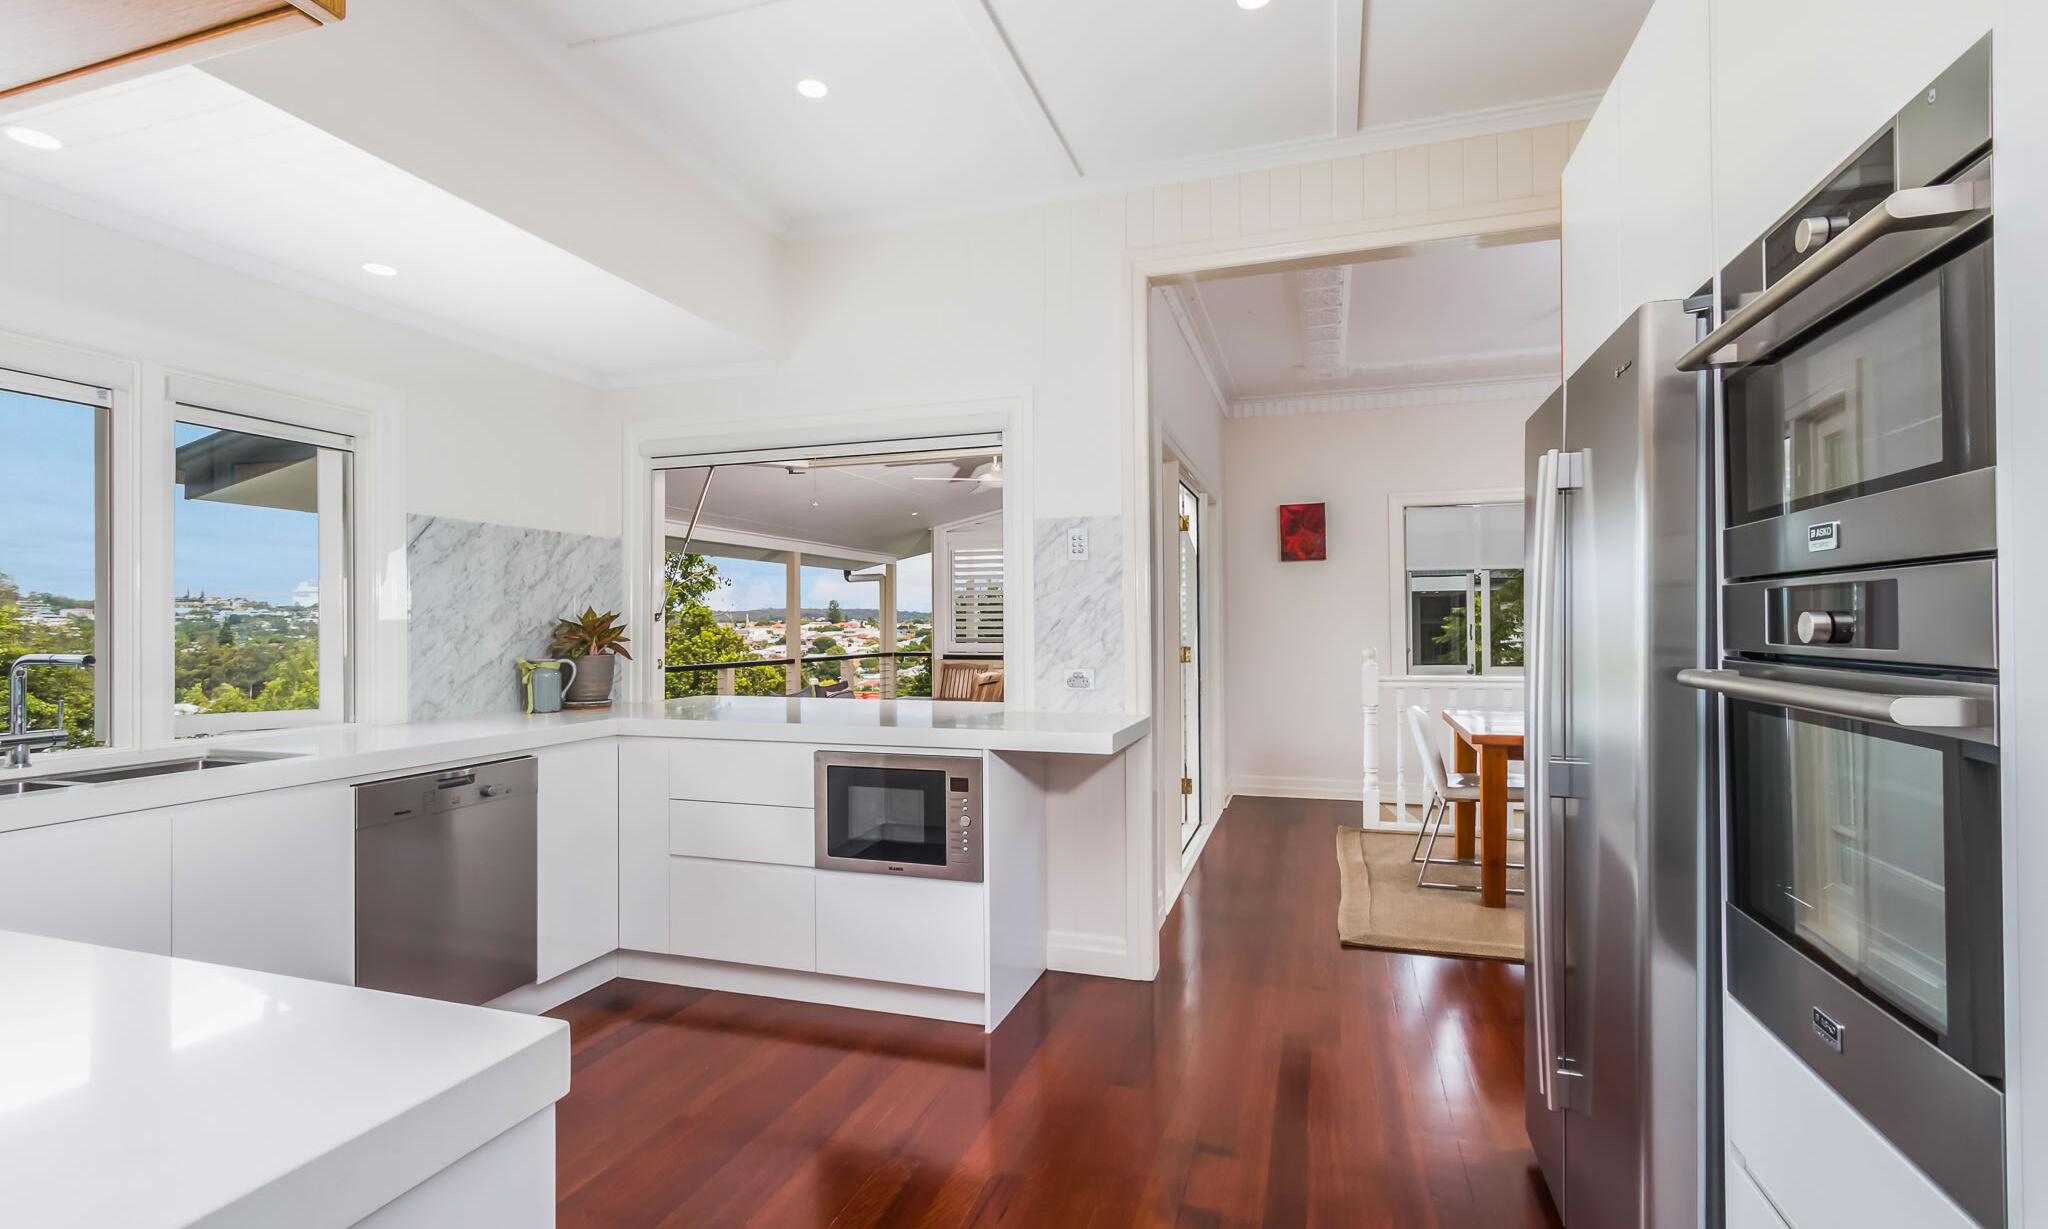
(1487, 740)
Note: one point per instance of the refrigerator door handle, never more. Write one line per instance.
(1552, 473)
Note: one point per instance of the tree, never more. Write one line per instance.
(692, 633)
(832, 612)
(47, 689)
(914, 674)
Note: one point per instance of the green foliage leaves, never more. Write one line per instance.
(589, 634)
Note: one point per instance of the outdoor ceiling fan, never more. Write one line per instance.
(970, 469)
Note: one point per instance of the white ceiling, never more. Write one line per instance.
(185, 159)
(873, 510)
(1422, 325)
(943, 107)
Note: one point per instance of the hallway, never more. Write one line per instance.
(1269, 1077)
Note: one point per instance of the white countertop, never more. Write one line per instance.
(333, 753)
(146, 1092)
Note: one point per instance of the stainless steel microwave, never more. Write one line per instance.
(913, 815)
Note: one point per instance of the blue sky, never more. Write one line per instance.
(757, 584)
(46, 516)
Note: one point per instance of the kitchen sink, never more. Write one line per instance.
(9, 789)
(130, 772)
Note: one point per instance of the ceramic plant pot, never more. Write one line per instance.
(592, 686)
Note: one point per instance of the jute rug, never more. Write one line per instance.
(1380, 905)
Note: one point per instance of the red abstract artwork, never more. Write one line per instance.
(1301, 533)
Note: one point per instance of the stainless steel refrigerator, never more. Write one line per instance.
(1619, 977)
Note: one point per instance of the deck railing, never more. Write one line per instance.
(1393, 774)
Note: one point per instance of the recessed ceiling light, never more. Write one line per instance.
(34, 138)
(1251, 4)
(379, 269)
(811, 87)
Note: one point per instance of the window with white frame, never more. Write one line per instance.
(55, 551)
(1464, 588)
(260, 573)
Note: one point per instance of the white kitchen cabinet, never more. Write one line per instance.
(265, 881)
(1797, 87)
(739, 832)
(916, 932)
(1821, 1163)
(1747, 1206)
(743, 912)
(1638, 190)
(643, 844)
(104, 881)
(579, 854)
(765, 774)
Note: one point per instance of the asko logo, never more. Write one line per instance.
(1826, 536)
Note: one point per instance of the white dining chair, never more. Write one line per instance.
(1445, 789)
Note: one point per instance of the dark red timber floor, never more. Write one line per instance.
(1269, 1077)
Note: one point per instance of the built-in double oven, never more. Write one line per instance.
(1859, 646)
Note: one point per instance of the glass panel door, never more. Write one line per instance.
(1190, 665)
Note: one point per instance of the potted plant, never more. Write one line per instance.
(594, 640)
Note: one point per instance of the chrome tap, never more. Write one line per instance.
(19, 739)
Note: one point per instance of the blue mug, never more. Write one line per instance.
(545, 681)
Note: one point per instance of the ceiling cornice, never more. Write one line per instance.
(1466, 392)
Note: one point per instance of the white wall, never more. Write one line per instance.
(485, 439)
(1184, 402)
(1296, 630)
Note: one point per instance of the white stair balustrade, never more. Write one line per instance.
(1392, 777)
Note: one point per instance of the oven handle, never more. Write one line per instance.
(1912, 712)
(1904, 210)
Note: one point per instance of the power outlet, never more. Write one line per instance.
(1077, 542)
(1080, 680)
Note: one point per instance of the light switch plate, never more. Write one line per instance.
(1080, 680)
(1077, 542)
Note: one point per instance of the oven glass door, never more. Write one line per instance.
(1874, 851)
(1896, 393)
(895, 815)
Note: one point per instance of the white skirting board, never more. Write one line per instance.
(1335, 789)
(747, 979)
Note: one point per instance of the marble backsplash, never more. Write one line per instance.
(484, 596)
(1078, 613)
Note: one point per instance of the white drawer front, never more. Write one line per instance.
(716, 770)
(1747, 1207)
(1821, 1164)
(742, 833)
(915, 932)
(743, 912)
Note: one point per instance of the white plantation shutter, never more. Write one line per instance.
(977, 582)
(971, 556)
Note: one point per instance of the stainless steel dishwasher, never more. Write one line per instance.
(446, 868)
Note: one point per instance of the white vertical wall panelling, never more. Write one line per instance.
(2020, 134)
